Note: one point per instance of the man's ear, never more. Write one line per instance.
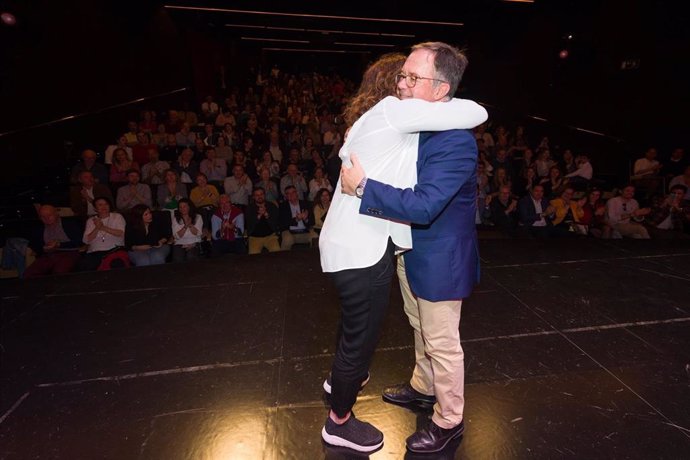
(441, 91)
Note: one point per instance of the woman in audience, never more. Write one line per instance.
(322, 201)
(499, 180)
(594, 217)
(103, 234)
(118, 169)
(223, 150)
(543, 163)
(205, 198)
(554, 183)
(318, 182)
(110, 150)
(568, 214)
(145, 238)
(170, 192)
(267, 162)
(525, 182)
(269, 185)
(187, 228)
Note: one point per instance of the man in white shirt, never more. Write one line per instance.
(583, 173)
(646, 173)
(238, 186)
(624, 214)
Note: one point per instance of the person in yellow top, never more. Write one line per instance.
(205, 197)
(567, 212)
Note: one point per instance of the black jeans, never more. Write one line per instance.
(364, 297)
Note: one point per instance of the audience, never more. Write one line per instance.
(295, 220)
(82, 196)
(624, 215)
(261, 218)
(227, 228)
(133, 193)
(88, 163)
(171, 191)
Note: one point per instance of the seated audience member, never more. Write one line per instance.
(500, 179)
(131, 134)
(153, 172)
(503, 211)
(227, 228)
(88, 163)
(525, 182)
(225, 117)
(675, 165)
(146, 237)
(119, 169)
(148, 122)
(140, 150)
(684, 179)
(133, 193)
(121, 144)
(267, 162)
(319, 181)
(241, 158)
(185, 138)
(205, 198)
(534, 213)
(293, 178)
(82, 195)
(199, 150)
(216, 169)
(261, 219)
(554, 184)
(170, 152)
(322, 202)
(295, 220)
(669, 214)
(210, 137)
(104, 233)
(209, 110)
(567, 214)
(238, 186)
(543, 163)
(502, 160)
(186, 168)
(583, 173)
(594, 217)
(187, 229)
(647, 173)
(172, 191)
(56, 243)
(269, 185)
(624, 215)
(160, 137)
(568, 162)
(224, 152)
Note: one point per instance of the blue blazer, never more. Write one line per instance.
(444, 261)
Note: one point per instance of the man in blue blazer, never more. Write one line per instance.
(443, 266)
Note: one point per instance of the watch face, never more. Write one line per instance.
(359, 191)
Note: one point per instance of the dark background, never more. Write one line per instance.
(82, 57)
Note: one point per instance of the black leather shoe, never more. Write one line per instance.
(403, 393)
(433, 438)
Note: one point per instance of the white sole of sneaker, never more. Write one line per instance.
(340, 442)
(327, 386)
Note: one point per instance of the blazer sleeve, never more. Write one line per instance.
(443, 173)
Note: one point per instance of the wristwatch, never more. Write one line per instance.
(359, 190)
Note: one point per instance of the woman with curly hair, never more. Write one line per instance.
(359, 249)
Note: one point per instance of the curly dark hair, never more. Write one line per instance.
(378, 82)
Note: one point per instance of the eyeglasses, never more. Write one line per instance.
(411, 80)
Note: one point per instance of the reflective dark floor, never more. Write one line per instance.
(574, 349)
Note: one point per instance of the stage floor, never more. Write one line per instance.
(574, 349)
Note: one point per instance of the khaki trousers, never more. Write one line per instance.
(439, 359)
(257, 244)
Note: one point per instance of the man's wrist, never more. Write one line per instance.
(359, 190)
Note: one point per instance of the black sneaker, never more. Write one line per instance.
(353, 434)
(327, 383)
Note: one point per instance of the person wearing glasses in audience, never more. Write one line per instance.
(624, 215)
(358, 248)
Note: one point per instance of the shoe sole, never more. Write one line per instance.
(340, 442)
(455, 436)
(327, 387)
